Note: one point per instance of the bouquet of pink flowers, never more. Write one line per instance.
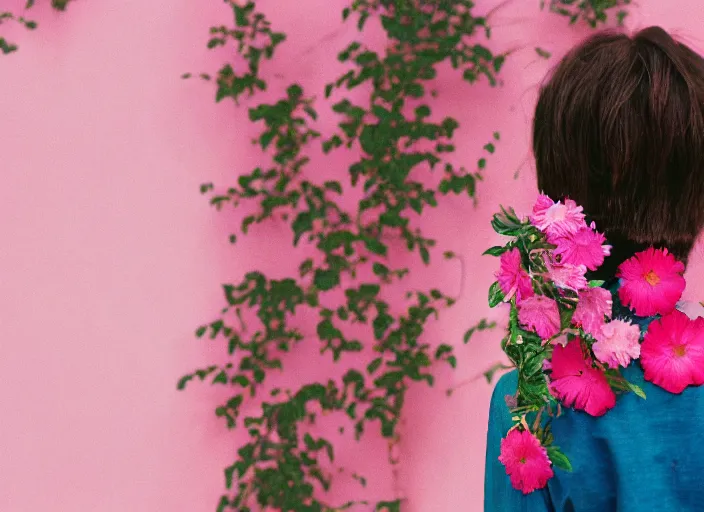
(563, 338)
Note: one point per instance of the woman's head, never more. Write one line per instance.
(619, 128)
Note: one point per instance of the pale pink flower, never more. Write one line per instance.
(560, 340)
(555, 218)
(567, 275)
(576, 383)
(672, 352)
(526, 461)
(512, 277)
(593, 307)
(584, 247)
(651, 282)
(617, 343)
(541, 315)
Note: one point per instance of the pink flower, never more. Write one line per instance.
(526, 461)
(560, 340)
(555, 218)
(540, 314)
(651, 282)
(576, 383)
(672, 352)
(594, 305)
(512, 277)
(567, 276)
(617, 343)
(585, 247)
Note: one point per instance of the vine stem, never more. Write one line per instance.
(394, 460)
(474, 378)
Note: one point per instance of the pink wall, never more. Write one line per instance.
(111, 257)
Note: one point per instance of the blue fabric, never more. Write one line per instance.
(642, 456)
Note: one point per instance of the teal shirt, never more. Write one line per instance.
(642, 456)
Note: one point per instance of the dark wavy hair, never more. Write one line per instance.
(619, 128)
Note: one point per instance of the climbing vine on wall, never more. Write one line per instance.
(403, 167)
(593, 12)
(7, 17)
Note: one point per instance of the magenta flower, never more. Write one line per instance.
(617, 343)
(593, 307)
(512, 277)
(526, 461)
(584, 247)
(555, 218)
(541, 315)
(576, 383)
(672, 352)
(565, 275)
(651, 282)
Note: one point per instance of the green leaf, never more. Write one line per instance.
(596, 283)
(302, 224)
(489, 374)
(636, 389)
(559, 459)
(442, 350)
(543, 53)
(294, 91)
(183, 381)
(326, 279)
(496, 296)
(362, 20)
(374, 365)
(497, 250)
(334, 186)
(380, 270)
(498, 63)
(241, 380)
(375, 246)
(566, 317)
(483, 325)
(422, 111)
(229, 475)
(388, 506)
(7, 47)
(424, 255)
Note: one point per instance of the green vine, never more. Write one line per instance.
(593, 12)
(394, 133)
(399, 142)
(6, 46)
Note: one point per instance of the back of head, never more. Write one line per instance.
(619, 128)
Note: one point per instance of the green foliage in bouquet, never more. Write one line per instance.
(529, 352)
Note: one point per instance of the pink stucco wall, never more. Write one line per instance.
(111, 258)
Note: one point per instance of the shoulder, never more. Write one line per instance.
(506, 385)
(499, 414)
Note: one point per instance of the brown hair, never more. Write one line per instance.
(619, 128)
